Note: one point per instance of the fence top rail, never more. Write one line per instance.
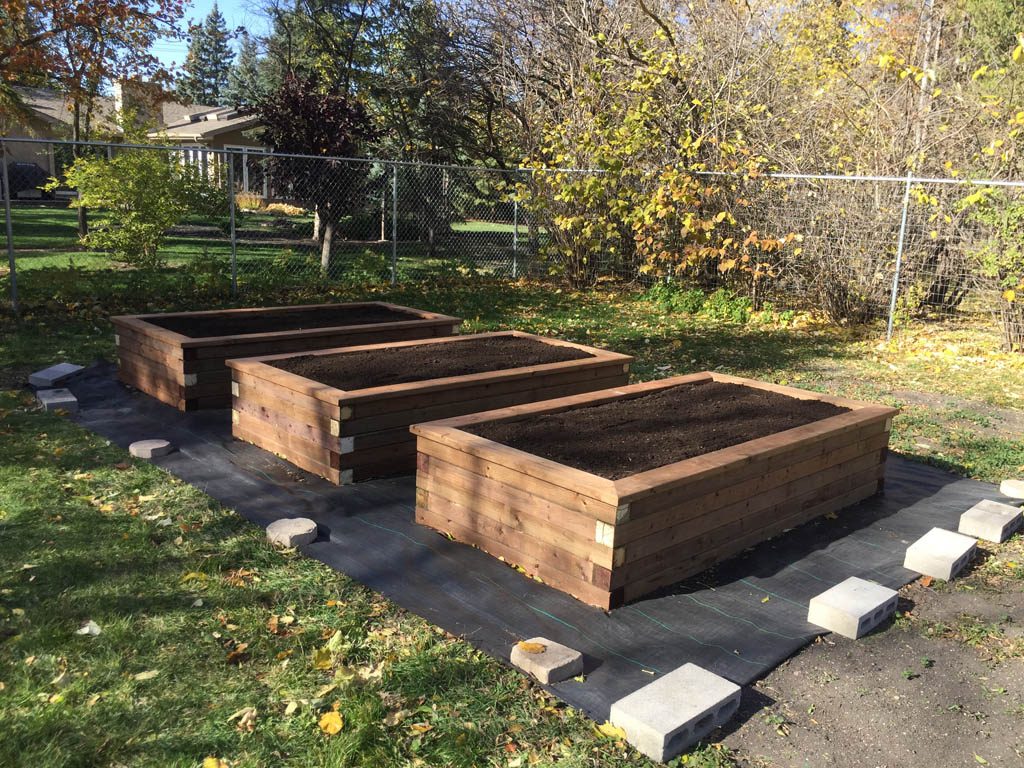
(269, 153)
(908, 179)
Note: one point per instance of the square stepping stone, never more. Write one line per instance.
(675, 711)
(940, 554)
(57, 400)
(853, 607)
(991, 521)
(1012, 488)
(53, 376)
(546, 660)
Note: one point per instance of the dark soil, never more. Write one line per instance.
(377, 368)
(282, 320)
(622, 438)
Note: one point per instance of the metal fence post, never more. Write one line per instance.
(231, 208)
(899, 260)
(394, 224)
(10, 228)
(515, 238)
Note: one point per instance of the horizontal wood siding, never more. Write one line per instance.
(654, 528)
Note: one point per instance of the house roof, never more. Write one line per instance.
(205, 125)
(175, 121)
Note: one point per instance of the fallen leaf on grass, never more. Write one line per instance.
(421, 727)
(237, 654)
(926, 581)
(90, 628)
(122, 465)
(526, 647)
(396, 717)
(149, 674)
(332, 722)
(611, 731)
(215, 762)
(246, 718)
(322, 659)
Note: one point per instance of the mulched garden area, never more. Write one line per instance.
(401, 365)
(624, 437)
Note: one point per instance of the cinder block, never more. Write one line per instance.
(940, 554)
(853, 607)
(57, 399)
(150, 449)
(53, 376)
(1012, 488)
(552, 665)
(990, 520)
(675, 711)
(292, 532)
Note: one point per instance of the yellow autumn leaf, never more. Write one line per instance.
(611, 731)
(214, 762)
(526, 647)
(421, 727)
(1010, 295)
(332, 722)
(322, 659)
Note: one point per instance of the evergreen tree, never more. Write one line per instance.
(245, 82)
(208, 64)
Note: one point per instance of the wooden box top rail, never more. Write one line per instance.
(141, 324)
(620, 492)
(261, 368)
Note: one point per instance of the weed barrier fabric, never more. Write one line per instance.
(739, 620)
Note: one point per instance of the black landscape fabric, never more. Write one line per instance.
(738, 620)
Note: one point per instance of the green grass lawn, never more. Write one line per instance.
(215, 646)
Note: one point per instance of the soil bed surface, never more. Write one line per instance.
(420, 362)
(625, 437)
(321, 317)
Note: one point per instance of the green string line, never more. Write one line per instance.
(741, 619)
(726, 651)
(773, 594)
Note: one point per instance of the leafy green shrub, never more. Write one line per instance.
(724, 304)
(674, 297)
(135, 197)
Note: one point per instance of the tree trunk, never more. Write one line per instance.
(325, 249)
(76, 151)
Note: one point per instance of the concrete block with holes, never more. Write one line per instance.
(990, 520)
(675, 711)
(57, 400)
(852, 608)
(556, 662)
(940, 554)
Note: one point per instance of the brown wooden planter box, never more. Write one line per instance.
(189, 373)
(608, 542)
(351, 435)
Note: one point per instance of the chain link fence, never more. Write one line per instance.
(902, 250)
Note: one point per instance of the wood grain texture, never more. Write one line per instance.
(653, 528)
(156, 360)
(367, 430)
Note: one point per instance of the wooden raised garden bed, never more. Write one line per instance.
(586, 494)
(344, 414)
(179, 358)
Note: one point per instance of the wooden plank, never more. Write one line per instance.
(306, 340)
(488, 500)
(684, 568)
(725, 461)
(577, 587)
(286, 422)
(751, 478)
(521, 463)
(694, 518)
(749, 526)
(561, 404)
(471, 404)
(466, 483)
(580, 500)
(303, 462)
(152, 387)
(290, 446)
(251, 388)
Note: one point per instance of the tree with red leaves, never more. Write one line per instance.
(302, 118)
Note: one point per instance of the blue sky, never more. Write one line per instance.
(237, 13)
